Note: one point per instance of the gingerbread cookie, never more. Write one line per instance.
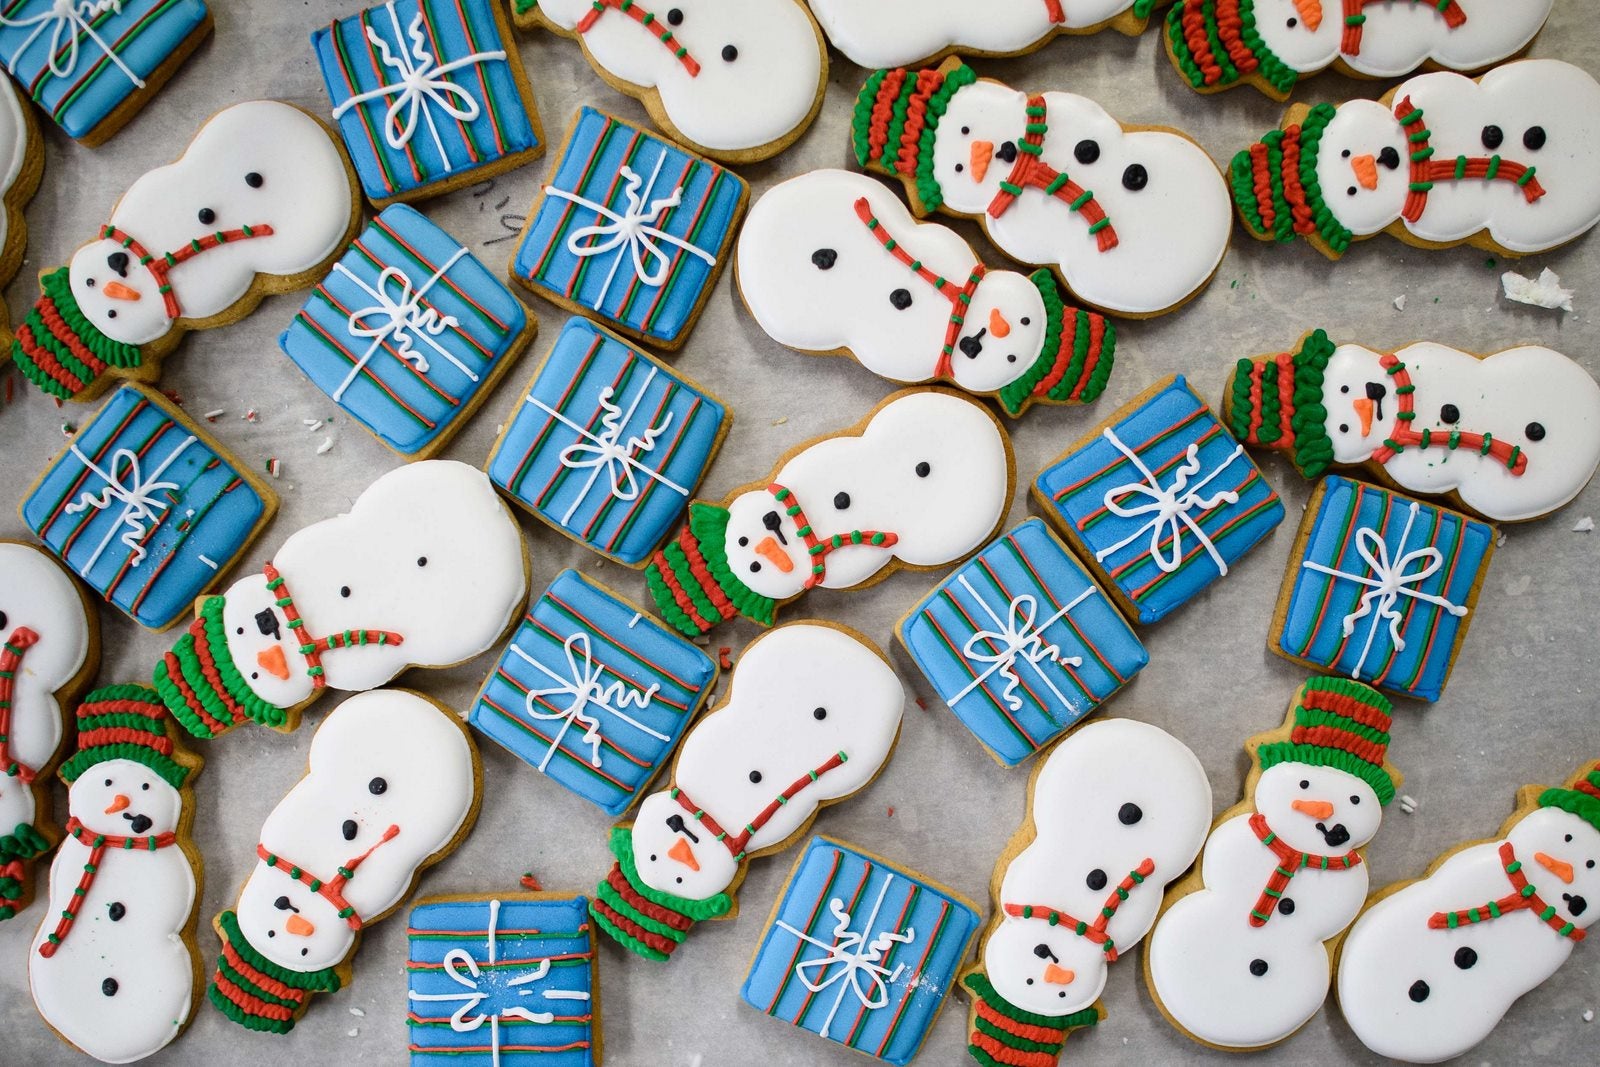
(21, 168)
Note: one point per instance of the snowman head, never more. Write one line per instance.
(1559, 846)
(1362, 166)
(901, 128)
(124, 779)
(116, 295)
(1359, 396)
(290, 924)
(976, 144)
(1284, 37)
(1317, 809)
(764, 547)
(124, 797)
(676, 854)
(1003, 335)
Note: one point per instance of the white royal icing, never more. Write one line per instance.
(764, 739)
(13, 150)
(900, 33)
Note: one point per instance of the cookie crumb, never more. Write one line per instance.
(891, 811)
(251, 415)
(274, 467)
(1408, 804)
(528, 881)
(215, 414)
(358, 1013)
(725, 657)
(780, 420)
(1400, 302)
(312, 425)
(1545, 291)
(1584, 525)
(326, 446)
(1588, 1016)
(353, 1033)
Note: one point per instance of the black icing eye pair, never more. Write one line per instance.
(1533, 138)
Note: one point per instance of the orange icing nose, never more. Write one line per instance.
(1058, 975)
(1363, 409)
(681, 852)
(119, 802)
(118, 291)
(1366, 171)
(982, 152)
(997, 323)
(1310, 12)
(1560, 868)
(769, 549)
(1317, 809)
(299, 927)
(271, 660)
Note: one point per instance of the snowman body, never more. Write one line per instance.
(258, 166)
(1165, 200)
(806, 699)
(120, 985)
(1531, 398)
(1415, 993)
(749, 72)
(931, 467)
(893, 33)
(818, 277)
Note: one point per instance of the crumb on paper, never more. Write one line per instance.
(1500, 542)
(326, 446)
(1400, 302)
(251, 415)
(528, 881)
(1584, 525)
(68, 430)
(1408, 804)
(725, 657)
(891, 811)
(780, 420)
(274, 467)
(1588, 1016)
(311, 425)
(174, 396)
(1545, 291)
(354, 1033)
(923, 704)
(358, 1013)
(214, 414)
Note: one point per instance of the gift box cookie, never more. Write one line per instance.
(1381, 587)
(429, 95)
(593, 692)
(1159, 500)
(146, 508)
(630, 229)
(408, 333)
(607, 444)
(860, 951)
(1021, 642)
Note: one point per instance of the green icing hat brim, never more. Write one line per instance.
(709, 525)
(54, 327)
(186, 688)
(1202, 14)
(1278, 752)
(925, 121)
(1077, 350)
(1583, 805)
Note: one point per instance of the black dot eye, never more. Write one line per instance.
(1350, 191)
(755, 777)
(1535, 431)
(841, 501)
(254, 180)
(959, 168)
(1465, 957)
(965, 130)
(1011, 359)
(744, 541)
(1345, 154)
(344, 591)
(349, 829)
(1344, 427)
(923, 469)
(1590, 865)
(1449, 413)
(675, 17)
(824, 258)
(820, 714)
(1567, 838)
(1304, 784)
(240, 630)
(145, 787)
(1086, 151)
(1493, 137)
(108, 782)
(1292, 22)
(109, 987)
(1096, 880)
(1258, 967)
(1389, 158)
(901, 299)
(282, 903)
(755, 568)
(1129, 814)
(377, 787)
(1354, 799)
(111, 314)
(729, 53)
(1534, 139)
(1135, 177)
(422, 561)
(207, 216)
(1025, 320)
(1344, 388)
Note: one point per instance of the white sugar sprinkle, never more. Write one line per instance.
(211, 416)
(1400, 302)
(325, 446)
(1584, 525)
(358, 1013)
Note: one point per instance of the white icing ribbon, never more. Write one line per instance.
(65, 20)
(422, 81)
(859, 960)
(462, 969)
(1387, 582)
(1169, 508)
(401, 320)
(606, 452)
(631, 233)
(582, 684)
(1017, 637)
(136, 494)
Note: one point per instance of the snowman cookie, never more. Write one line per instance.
(1118, 810)
(923, 481)
(1504, 163)
(392, 787)
(21, 167)
(1242, 953)
(737, 80)
(1134, 219)
(812, 716)
(426, 569)
(1272, 44)
(1432, 965)
(1511, 436)
(49, 649)
(113, 968)
(262, 201)
(832, 261)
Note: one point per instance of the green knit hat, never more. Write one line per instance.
(1214, 53)
(1276, 189)
(201, 685)
(124, 722)
(1582, 800)
(896, 120)
(693, 587)
(56, 346)
(257, 993)
(646, 921)
(1075, 359)
(1004, 1034)
(1276, 402)
(1342, 724)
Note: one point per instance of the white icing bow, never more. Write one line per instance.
(400, 320)
(1169, 508)
(66, 21)
(859, 959)
(587, 695)
(137, 495)
(1017, 637)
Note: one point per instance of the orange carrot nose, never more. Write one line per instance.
(1560, 868)
(773, 553)
(118, 291)
(997, 323)
(1364, 413)
(982, 153)
(681, 852)
(1317, 809)
(1310, 12)
(271, 660)
(299, 927)
(1058, 975)
(119, 802)
(1366, 171)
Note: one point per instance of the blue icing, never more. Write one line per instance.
(626, 654)
(1429, 630)
(202, 509)
(526, 934)
(607, 283)
(406, 407)
(909, 975)
(991, 594)
(453, 32)
(1159, 429)
(142, 34)
(621, 503)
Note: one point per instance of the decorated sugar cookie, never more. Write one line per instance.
(260, 202)
(21, 167)
(832, 261)
(812, 714)
(1433, 965)
(49, 648)
(391, 788)
(921, 482)
(1505, 163)
(1512, 436)
(1117, 811)
(738, 80)
(894, 33)
(426, 569)
(1135, 220)
(1242, 952)
(113, 968)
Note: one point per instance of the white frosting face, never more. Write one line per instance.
(930, 467)
(801, 694)
(428, 551)
(1305, 34)
(1362, 167)
(125, 798)
(1318, 809)
(1112, 795)
(817, 278)
(761, 63)
(380, 760)
(901, 33)
(261, 163)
